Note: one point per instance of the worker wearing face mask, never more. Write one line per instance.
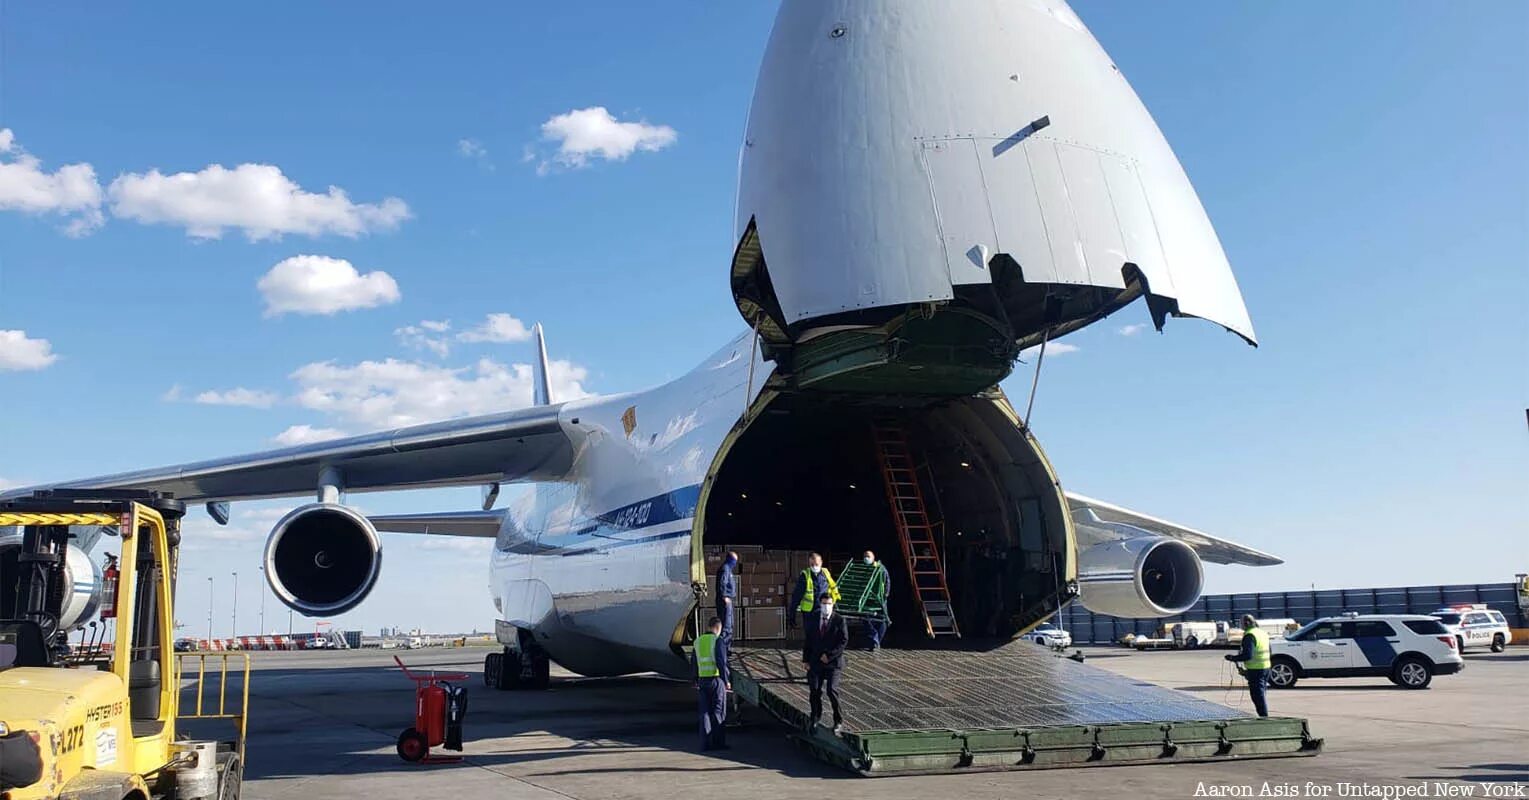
(880, 589)
(814, 582)
(827, 637)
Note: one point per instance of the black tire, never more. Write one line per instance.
(230, 777)
(1460, 644)
(1192, 642)
(1412, 672)
(412, 745)
(1283, 673)
(541, 673)
(1499, 644)
(493, 665)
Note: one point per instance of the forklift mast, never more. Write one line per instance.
(40, 592)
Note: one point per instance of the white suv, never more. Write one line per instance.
(1407, 648)
(1050, 635)
(1476, 626)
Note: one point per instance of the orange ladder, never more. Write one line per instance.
(914, 528)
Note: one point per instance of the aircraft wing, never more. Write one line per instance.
(476, 524)
(1210, 548)
(526, 444)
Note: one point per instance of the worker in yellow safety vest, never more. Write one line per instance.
(1254, 662)
(713, 683)
(814, 582)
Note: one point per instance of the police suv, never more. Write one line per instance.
(1476, 625)
(1407, 648)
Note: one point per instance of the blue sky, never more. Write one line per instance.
(1364, 167)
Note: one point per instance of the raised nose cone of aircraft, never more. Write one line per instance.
(926, 188)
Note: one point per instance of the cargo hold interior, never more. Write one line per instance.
(805, 475)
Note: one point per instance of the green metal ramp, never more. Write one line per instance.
(862, 591)
(1015, 707)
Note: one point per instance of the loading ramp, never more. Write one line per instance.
(1018, 706)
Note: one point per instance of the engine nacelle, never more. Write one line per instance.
(1148, 576)
(81, 581)
(323, 559)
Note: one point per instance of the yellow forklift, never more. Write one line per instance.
(97, 718)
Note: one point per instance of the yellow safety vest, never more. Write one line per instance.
(809, 593)
(1258, 658)
(706, 656)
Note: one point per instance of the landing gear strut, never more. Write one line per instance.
(523, 667)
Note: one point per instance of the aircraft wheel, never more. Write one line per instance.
(541, 672)
(493, 665)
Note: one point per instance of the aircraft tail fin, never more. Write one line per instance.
(542, 386)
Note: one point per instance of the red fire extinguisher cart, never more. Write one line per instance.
(432, 695)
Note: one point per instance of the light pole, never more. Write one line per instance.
(262, 630)
(235, 614)
(209, 611)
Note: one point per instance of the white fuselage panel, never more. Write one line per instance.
(598, 566)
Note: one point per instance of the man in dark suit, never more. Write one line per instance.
(827, 637)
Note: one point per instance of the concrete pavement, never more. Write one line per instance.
(324, 725)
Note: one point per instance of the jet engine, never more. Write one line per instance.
(81, 580)
(1146, 576)
(323, 559)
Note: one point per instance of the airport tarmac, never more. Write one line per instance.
(323, 724)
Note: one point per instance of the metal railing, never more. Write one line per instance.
(1301, 605)
(240, 716)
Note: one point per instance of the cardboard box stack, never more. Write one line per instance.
(765, 580)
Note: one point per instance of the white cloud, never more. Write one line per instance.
(17, 352)
(246, 523)
(255, 198)
(1053, 349)
(305, 434)
(497, 328)
(427, 335)
(471, 148)
(454, 544)
(586, 134)
(1131, 330)
(249, 398)
(71, 191)
(322, 285)
(382, 394)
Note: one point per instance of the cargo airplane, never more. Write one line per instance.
(925, 190)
